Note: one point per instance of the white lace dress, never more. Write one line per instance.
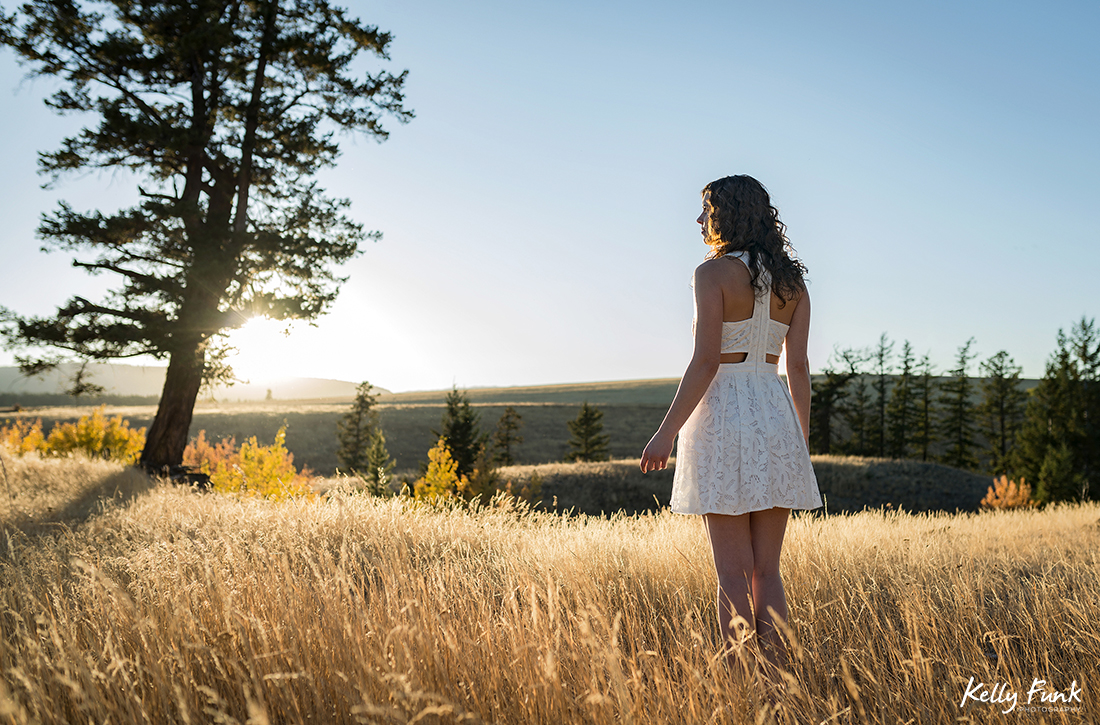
(742, 449)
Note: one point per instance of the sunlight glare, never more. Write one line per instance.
(262, 346)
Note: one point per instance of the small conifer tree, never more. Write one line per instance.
(1002, 408)
(957, 424)
(924, 391)
(881, 383)
(857, 409)
(903, 408)
(355, 429)
(828, 398)
(379, 465)
(507, 436)
(460, 432)
(484, 480)
(1061, 430)
(1057, 479)
(588, 443)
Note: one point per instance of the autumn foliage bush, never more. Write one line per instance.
(252, 469)
(441, 480)
(1006, 494)
(95, 436)
(442, 483)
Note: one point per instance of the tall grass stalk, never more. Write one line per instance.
(160, 605)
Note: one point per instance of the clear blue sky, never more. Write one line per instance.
(937, 164)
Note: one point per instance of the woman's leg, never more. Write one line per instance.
(767, 529)
(731, 545)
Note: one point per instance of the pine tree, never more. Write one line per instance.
(225, 111)
(1086, 341)
(507, 436)
(957, 423)
(1002, 408)
(485, 478)
(588, 443)
(355, 431)
(829, 392)
(1064, 411)
(856, 410)
(924, 393)
(1058, 478)
(460, 432)
(378, 465)
(881, 357)
(904, 408)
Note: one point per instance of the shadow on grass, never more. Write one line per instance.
(118, 488)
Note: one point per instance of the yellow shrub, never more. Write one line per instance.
(93, 435)
(22, 437)
(441, 481)
(254, 469)
(1005, 494)
(96, 435)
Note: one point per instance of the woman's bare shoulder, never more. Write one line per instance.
(719, 270)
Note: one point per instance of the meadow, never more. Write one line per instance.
(632, 411)
(125, 600)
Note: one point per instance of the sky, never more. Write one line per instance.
(937, 165)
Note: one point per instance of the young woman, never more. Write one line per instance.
(743, 461)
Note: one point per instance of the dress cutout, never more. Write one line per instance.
(742, 448)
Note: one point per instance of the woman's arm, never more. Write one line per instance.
(798, 363)
(700, 371)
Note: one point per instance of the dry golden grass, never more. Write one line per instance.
(167, 606)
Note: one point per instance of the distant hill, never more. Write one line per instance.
(147, 381)
(623, 392)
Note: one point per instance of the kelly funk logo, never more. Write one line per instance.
(1040, 697)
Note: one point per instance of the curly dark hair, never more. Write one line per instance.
(742, 218)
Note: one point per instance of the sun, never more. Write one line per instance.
(263, 349)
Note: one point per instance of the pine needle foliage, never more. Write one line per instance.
(507, 436)
(1058, 443)
(880, 432)
(1002, 408)
(460, 432)
(589, 442)
(379, 466)
(355, 431)
(924, 391)
(903, 408)
(225, 111)
(828, 401)
(958, 424)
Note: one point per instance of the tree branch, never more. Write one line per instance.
(119, 270)
(86, 306)
(252, 117)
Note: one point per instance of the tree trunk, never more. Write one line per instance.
(168, 434)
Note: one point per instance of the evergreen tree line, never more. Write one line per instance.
(875, 402)
(476, 453)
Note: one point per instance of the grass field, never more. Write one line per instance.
(632, 411)
(125, 601)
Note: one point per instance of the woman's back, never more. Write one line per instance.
(739, 300)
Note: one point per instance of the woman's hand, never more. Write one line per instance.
(655, 456)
